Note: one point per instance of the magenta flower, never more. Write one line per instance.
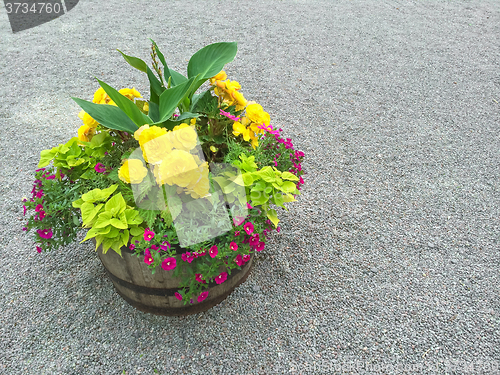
(165, 245)
(38, 208)
(260, 246)
(148, 259)
(248, 227)
(168, 264)
(249, 206)
(39, 249)
(202, 296)
(131, 246)
(239, 260)
(45, 233)
(221, 278)
(213, 251)
(178, 296)
(254, 241)
(39, 194)
(24, 210)
(278, 229)
(100, 168)
(233, 246)
(154, 247)
(237, 220)
(246, 257)
(199, 278)
(236, 232)
(41, 215)
(148, 235)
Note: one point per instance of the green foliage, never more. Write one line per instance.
(110, 219)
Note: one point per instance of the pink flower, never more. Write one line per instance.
(39, 194)
(233, 246)
(246, 257)
(38, 208)
(45, 233)
(254, 241)
(168, 264)
(187, 257)
(39, 249)
(260, 246)
(301, 180)
(236, 232)
(24, 210)
(213, 251)
(249, 206)
(131, 246)
(199, 278)
(100, 168)
(41, 215)
(237, 220)
(154, 247)
(178, 296)
(202, 296)
(221, 278)
(147, 257)
(148, 235)
(239, 260)
(165, 245)
(278, 229)
(248, 227)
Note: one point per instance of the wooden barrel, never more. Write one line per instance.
(155, 293)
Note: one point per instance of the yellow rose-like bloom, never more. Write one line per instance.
(138, 132)
(130, 93)
(179, 168)
(132, 171)
(100, 97)
(87, 120)
(232, 85)
(221, 76)
(199, 186)
(85, 133)
(255, 140)
(241, 102)
(256, 113)
(155, 143)
(146, 107)
(184, 137)
(240, 129)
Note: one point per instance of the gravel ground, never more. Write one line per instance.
(389, 262)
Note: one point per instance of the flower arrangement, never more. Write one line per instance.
(196, 170)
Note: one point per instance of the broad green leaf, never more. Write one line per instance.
(126, 105)
(116, 205)
(289, 176)
(46, 157)
(98, 194)
(108, 115)
(258, 197)
(135, 62)
(89, 212)
(278, 199)
(154, 111)
(118, 224)
(103, 220)
(186, 115)
(267, 174)
(125, 237)
(210, 60)
(133, 217)
(175, 206)
(170, 99)
(98, 241)
(259, 186)
(117, 246)
(90, 234)
(288, 187)
(288, 198)
(273, 216)
(136, 231)
(155, 85)
(78, 203)
(177, 78)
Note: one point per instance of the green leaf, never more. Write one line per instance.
(288, 187)
(132, 217)
(273, 216)
(289, 176)
(136, 231)
(98, 194)
(210, 60)
(103, 220)
(46, 157)
(108, 115)
(118, 224)
(288, 198)
(89, 212)
(135, 62)
(259, 197)
(177, 78)
(186, 115)
(175, 206)
(259, 186)
(155, 85)
(267, 174)
(278, 199)
(116, 205)
(125, 237)
(78, 203)
(154, 111)
(126, 105)
(170, 99)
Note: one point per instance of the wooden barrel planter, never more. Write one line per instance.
(154, 294)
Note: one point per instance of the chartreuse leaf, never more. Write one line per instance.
(46, 157)
(273, 216)
(116, 205)
(267, 174)
(78, 203)
(89, 211)
(118, 224)
(108, 115)
(132, 216)
(259, 197)
(210, 60)
(126, 105)
(170, 99)
(288, 187)
(98, 194)
(136, 231)
(289, 176)
(288, 198)
(103, 220)
(259, 186)
(278, 199)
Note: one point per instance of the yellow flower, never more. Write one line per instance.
(232, 86)
(193, 121)
(85, 133)
(179, 168)
(155, 143)
(241, 102)
(87, 120)
(140, 130)
(132, 171)
(100, 97)
(255, 140)
(200, 185)
(146, 107)
(184, 137)
(213, 149)
(130, 93)
(221, 76)
(256, 113)
(240, 129)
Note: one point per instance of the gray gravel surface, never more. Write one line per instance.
(388, 263)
